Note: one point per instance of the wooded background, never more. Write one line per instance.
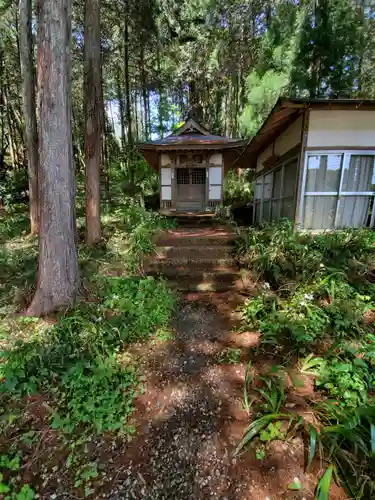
(233, 57)
(94, 77)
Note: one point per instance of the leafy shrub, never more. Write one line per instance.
(237, 187)
(98, 393)
(140, 225)
(314, 293)
(140, 304)
(347, 438)
(312, 289)
(343, 435)
(9, 489)
(75, 362)
(272, 431)
(346, 381)
(277, 252)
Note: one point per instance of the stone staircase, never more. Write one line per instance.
(197, 256)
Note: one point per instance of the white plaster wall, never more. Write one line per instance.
(165, 159)
(166, 193)
(263, 157)
(287, 140)
(216, 159)
(166, 177)
(343, 128)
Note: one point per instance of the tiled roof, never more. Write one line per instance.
(192, 139)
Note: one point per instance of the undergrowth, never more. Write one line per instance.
(78, 364)
(313, 301)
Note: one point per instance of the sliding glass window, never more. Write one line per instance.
(338, 190)
(275, 193)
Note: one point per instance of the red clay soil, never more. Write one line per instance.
(191, 418)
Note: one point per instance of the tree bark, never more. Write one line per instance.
(29, 108)
(127, 79)
(93, 119)
(121, 108)
(58, 275)
(144, 94)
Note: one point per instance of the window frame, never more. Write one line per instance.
(345, 162)
(260, 201)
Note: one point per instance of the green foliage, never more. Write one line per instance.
(14, 187)
(273, 394)
(263, 92)
(333, 22)
(84, 475)
(258, 425)
(313, 295)
(347, 440)
(237, 187)
(324, 484)
(140, 226)
(230, 355)
(77, 362)
(344, 435)
(13, 464)
(9, 490)
(295, 485)
(315, 287)
(98, 393)
(260, 454)
(139, 305)
(272, 431)
(347, 382)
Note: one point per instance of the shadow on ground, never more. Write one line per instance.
(190, 420)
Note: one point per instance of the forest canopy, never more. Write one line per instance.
(234, 58)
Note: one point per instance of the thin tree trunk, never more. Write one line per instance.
(93, 119)
(160, 91)
(144, 93)
(149, 115)
(127, 80)
(121, 108)
(136, 117)
(29, 107)
(58, 275)
(2, 124)
(105, 155)
(11, 135)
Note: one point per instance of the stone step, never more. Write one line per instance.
(205, 269)
(195, 240)
(216, 285)
(197, 273)
(210, 264)
(193, 252)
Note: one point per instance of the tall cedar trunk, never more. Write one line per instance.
(121, 108)
(29, 108)
(160, 91)
(58, 275)
(144, 92)
(93, 119)
(127, 80)
(12, 134)
(136, 117)
(2, 125)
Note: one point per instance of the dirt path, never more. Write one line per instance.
(190, 420)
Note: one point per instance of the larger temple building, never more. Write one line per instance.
(192, 164)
